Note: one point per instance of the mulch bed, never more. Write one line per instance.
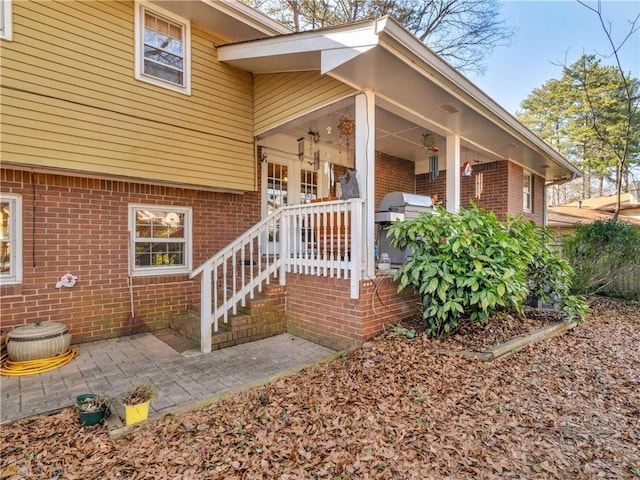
(565, 408)
(478, 338)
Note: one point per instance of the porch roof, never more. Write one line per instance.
(410, 82)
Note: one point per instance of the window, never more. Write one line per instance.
(161, 239)
(527, 189)
(5, 19)
(11, 241)
(162, 48)
(308, 186)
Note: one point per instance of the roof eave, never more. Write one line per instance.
(480, 100)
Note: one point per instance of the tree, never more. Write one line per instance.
(594, 111)
(618, 131)
(585, 116)
(463, 32)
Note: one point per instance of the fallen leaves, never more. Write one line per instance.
(567, 408)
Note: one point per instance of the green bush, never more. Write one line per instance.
(549, 276)
(469, 265)
(599, 251)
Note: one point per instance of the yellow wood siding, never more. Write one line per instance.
(70, 100)
(281, 97)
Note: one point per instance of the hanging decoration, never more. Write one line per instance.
(314, 140)
(467, 169)
(434, 167)
(429, 142)
(479, 185)
(346, 127)
(300, 149)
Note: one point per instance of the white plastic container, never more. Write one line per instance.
(384, 264)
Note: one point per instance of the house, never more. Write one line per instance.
(629, 203)
(563, 218)
(171, 155)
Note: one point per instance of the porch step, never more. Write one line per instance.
(263, 317)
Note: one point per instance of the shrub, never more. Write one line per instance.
(470, 265)
(549, 276)
(599, 251)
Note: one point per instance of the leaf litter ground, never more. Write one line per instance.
(567, 408)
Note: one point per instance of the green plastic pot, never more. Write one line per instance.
(90, 418)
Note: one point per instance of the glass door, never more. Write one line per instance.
(286, 183)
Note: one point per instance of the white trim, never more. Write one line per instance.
(6, 27)
(140, 7)
(188, 241)
(453, 173)
(527, 207)
(365, 152)
(15, 237)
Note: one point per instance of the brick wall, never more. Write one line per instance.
(393, 174)
(331, 318)
(81, 227)
(502, 189)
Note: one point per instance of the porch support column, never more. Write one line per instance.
(365, 152)
(453, 173)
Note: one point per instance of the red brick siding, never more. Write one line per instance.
(393, 175)
(321, 310)
(502, 192)
(81, 227)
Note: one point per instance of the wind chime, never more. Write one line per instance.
(314, 140)
(429, 143)
(347, 128)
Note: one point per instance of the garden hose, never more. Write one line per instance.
(10, 368)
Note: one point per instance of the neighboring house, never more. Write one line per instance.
(564, 218)
(143, 138)
(629, 203)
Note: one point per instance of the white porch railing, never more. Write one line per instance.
(322, 239)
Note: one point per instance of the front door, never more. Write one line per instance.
(286, 182)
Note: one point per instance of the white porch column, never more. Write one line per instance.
(365, 146)
(453, 173)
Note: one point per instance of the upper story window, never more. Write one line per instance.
(5, 19)
(162, 48)
(11, 240)
(527, 191)
(161, 239)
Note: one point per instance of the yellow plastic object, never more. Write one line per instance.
(10, 368)
(136, 413)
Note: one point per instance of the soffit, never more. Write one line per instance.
(231, 20)
(412, 87)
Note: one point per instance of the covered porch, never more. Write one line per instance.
(417, 126)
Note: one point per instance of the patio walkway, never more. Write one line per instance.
(110, 367)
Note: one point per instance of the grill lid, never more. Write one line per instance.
(397, 201)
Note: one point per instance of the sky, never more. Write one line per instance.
(554, 32)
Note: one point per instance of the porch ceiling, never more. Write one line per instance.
(415, 91)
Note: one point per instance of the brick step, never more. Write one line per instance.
(271, 297)
(263, 317)
(239, 328)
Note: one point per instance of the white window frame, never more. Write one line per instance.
(527, 192)
(188, 241)
(140, 9)
(6, 31)
(14, 276)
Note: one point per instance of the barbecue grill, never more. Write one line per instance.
(399, 206)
